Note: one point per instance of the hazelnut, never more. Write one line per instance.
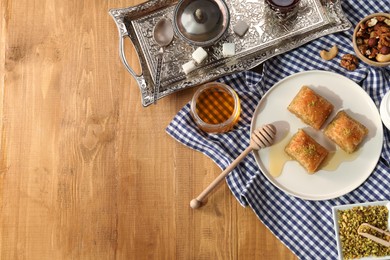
(385, 50)
(372, 42)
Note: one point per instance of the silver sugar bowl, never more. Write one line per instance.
(201, 22)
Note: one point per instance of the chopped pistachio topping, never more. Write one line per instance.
(354, 245)
(347, 131)
(309, 149)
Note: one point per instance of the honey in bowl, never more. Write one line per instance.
(215, 107)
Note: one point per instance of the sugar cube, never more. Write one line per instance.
(199, 55)
(240, 28)
(228, 49)
(189, 66)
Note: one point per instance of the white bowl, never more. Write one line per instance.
(349, 206)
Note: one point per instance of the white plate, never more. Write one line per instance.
(349, 206)
(384, 110)
(343, 94)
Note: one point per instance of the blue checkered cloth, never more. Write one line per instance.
(305, 227)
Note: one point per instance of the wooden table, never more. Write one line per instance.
(86, 171)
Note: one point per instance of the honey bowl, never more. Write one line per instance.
(215, 107)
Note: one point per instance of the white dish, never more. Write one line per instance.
(343, 94)
(349, 206)
(385, 110)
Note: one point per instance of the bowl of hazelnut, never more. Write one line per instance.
(371, 39)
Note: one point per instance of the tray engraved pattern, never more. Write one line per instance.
(265, 38)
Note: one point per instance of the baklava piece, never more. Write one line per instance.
(346, 132)
(306, 151)
(310, 107)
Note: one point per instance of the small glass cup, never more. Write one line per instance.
(284, 9)
(215, 107)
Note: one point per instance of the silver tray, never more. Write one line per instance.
(267, 36)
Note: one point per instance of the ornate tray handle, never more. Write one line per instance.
(119, 16)
(124, 60)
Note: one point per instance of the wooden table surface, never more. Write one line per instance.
(86, 172)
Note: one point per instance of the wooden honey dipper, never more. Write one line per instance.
(261, 138)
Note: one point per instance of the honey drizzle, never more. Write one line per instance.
(278, 158)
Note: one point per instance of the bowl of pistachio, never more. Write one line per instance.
(348, 222)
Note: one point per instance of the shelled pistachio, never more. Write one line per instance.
(352, 244)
